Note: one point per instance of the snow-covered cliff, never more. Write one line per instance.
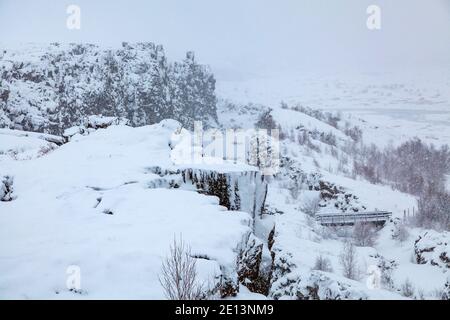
(99, 203)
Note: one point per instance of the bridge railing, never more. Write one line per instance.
(352, 218)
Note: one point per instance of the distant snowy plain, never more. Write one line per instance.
(390, 106)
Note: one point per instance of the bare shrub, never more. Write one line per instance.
(323, 264)
(434, 210)
(302, 137)
(407, 289)
(310, 205)
(437, 294)
(328, 138)
(364, 234)
(420, 294)
(414, 167)
(44, 150)
(327, 232)
(310, 222)
(348, 260)
(294, 189)
(179, 274)
(316, 163)
(343, 165)
(284, 105)
(387, 267)
(353, 132)
(401, 232)
(445, 293)
(386, 278)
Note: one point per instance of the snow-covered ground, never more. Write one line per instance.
(427, 278)
(305, 240)
(94, 203)
(111, 201)
(98, 203)
(89, 204)
(302, 239)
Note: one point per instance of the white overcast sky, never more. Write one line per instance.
(248, 35)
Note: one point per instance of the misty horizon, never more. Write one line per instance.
(251, 38)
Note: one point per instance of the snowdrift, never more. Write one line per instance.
(96, 203)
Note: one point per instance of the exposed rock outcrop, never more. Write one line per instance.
(433, 248)
(341, 199)
(57, 140)
(330, 193)
(255, 265)
(49, 88)
(315, 285)
(236, 190)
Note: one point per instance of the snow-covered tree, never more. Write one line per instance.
(322, 264)
(266, 121)
(348, 260)
(364, 234)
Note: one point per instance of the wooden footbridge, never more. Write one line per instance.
(349, 219)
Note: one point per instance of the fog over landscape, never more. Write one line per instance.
(253, 37)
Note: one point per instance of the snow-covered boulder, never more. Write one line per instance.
(24, 145)
(92, 123)
(332, 196)
(433, 248)
(316, 285)
(103, 122)
(70, 132)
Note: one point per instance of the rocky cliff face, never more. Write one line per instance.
(238, 190)
(51, 88)
(255, 264)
